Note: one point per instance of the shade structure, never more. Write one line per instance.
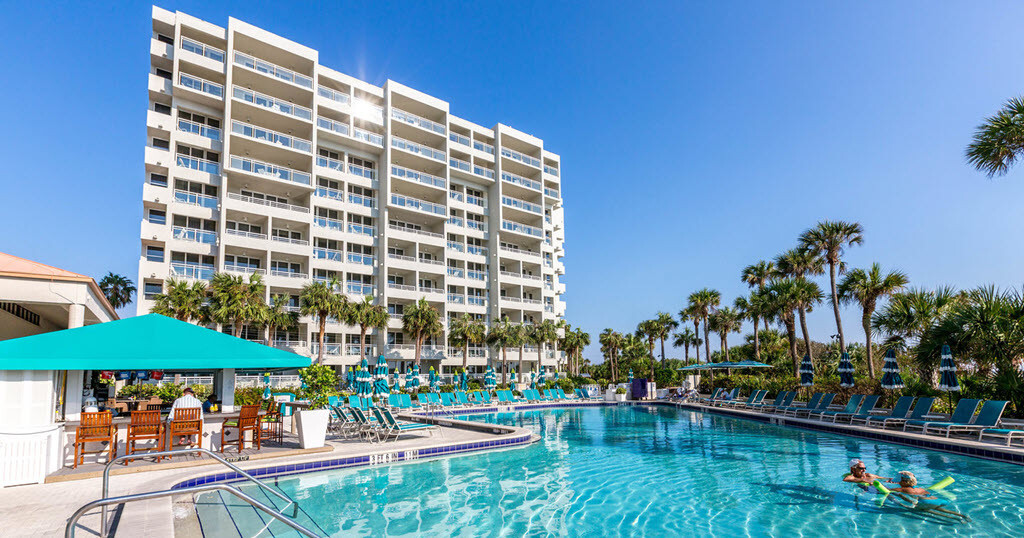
(947, 369)
(380, 378)
(891, 379)
(149, 342)
(806, 372)
(845, 370)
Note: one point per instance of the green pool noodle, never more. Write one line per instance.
(941, 484)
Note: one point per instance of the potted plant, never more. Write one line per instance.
(320, 381)
(620, 394)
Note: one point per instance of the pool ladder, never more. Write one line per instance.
(105, 501)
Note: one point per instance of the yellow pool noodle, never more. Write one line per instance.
(941, 484)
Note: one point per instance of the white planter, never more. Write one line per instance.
(312, 426)
(619, 397)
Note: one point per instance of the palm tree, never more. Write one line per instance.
(367, 316)
(690, 314)
(782, 297)
(464, 330)
(999, 140)
(665, 325)
(420, 321)
(686, 338)
(518, 333)
(540, 334)
(183, 300)
(501, 336)
(866, 288)
(724, 321)
(800, 263)
(118, 290)
(702, 303)
(319, 301)
(829, 239)
(807, 295)
(757, 275)
(236, 302)
(560, 325)
(611, 343)
(648, 330)
(574, 343)
(277, 317)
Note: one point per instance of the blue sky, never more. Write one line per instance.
(695, 137)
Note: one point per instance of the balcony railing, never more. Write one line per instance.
(419, 205)
(289, 344)
(192, 271)
(529, 301)
(476, 225)
(414, 231)
(475, 200)
(367, 110)
(277, 71)
(549, 308)
(331, 125)
(273, 103)
(460, 164)
(330, 224)
(456, 272)
(333, 95)
(486, 148)
(456, 221)
(290, 240)
(192, 198)
(418, 177)
(519, 180)
(269, 203)
(353, 350)
(477, 301)
(413, 119)
(202, 165)
(419, 149)
(333, 194)
(453, 245)
(269, 170)
(271, 137)
(456, 299)
(361, 259)
(182, 233)
(551, 192)
(329, 349)
(367, 136)
(455, 195)
(201, 85)
(201, 49)
(519, 157)
(358, 288)
(361, 229)
(287, 273)
(510, 299)
(517, 250)
(430, 261)
(551, 170)
(327, 162)
(473, 249)
(477, 275)
(486, 172)
(403, 287)
(401, 257)
(428, 289)
(521, 204)
(200, 129)
(362, 171)
(244, 269)
(521, 228)
(243, 233)
(327, 254)
(359, 199)
(459, 139)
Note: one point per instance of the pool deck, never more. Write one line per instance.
(957, 445)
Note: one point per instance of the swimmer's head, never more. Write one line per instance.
(907, 479)
(856, 464)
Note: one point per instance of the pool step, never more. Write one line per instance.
(222, 514)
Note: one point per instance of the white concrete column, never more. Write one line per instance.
(76, 315)
(225, 390)
(73, 396)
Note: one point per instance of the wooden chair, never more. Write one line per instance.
(187, 421)
(248, 421)
(145, 426)
(95, 428)
(271, 425)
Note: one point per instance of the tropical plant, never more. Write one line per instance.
(908, 316)
(501, 336)
(756, 276)
(420, 321)
(182, 301)
(799, 264)
(866, 287)
(686, 338)
(575, 341)
(648, 330)
(465, 330)
(237, 302)
(277, 317)
(830, 239)
(367, 316)
(118, 289)
(724, 321)
(611, 343)
(999, 140)
(664, 325)
(702, 303)
(318, 300)
(539, 335)
(518, 332)
(691, 314)
(782, 297)
(321, 382)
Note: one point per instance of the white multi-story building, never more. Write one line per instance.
(261, 160)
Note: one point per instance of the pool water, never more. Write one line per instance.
(657, 471)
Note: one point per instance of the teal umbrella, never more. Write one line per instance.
(845, 370)
(490, 380)
(465, 380)
(949, 383)
(435, 380)
(540, 377)
(350, 378)
(266, 386)
(380, 378)
(533, 380)
(416, 378)
(806, 372)
(555, 377)
(512, 375)
(891, 379)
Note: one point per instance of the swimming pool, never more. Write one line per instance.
(655, 471)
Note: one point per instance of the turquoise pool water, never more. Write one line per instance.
(652, 471)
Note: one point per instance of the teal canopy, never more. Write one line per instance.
(150, 342)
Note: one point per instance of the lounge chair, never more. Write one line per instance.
(714, 396)
(463, 399)
(963, 414)
(485, 397)
(733, 403)
(898, 415)
(823, 403)
(395, 401)
(851, 407)
(866, 405)
(562, 395)
(407, 402)
(448, 400)
(355, 401)
(1004, 434)
(811, 404)
(341, 422)
(435, 400)
(391, 427)
(778, 402)
(989, 416)
(366, 426)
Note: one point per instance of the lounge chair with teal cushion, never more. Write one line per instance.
(777, 402)
(810, 404)
(407, 402)
(1003, 434)
(355, 401)
(390, 427)
(851, 407)
(714, 395)
(989, 416)
(866, 405)
(486, 397)
(898, 415)
(823, 403)
(962, 415)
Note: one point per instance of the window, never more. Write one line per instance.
(155, 254)
(395, 339)
(159, 180)
(286, 234)
(243, 227)
(365, 163)
(330, 184)
(241, 261)
(161, 108)
(285, 267)
(162, 144)
(157, 216)
(151, 289)
(328, 153)
(199, 118)
(163, 73)
(165, 39)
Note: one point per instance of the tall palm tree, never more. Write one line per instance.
(866, 288)
(463, 331)
(829, 239)
(182, 301)
(665, 324)
(318, 300)
(501, 336)
(757, 275)
(118, 289)
(648, 330)
(519, 331)
(560, 325)
(800, 263)
(999, 140)
(420, 321)
(782, 297)
(808, 295)
(611, 343)
(685, 339)
(702, 303)
(575, 341)
(724, 321)
(367, 316)
(237, 302)
(690, 314)
(539, 335)
(277, 317)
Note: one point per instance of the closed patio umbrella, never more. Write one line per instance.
(350, 378)
(266, 386)
(806, 372)
(845, 370)
(891, 379)
(489, 379)
(465, 380)
(949, 383)
(512, 375)
(416, 378)
(380, 382)
(435, 380)
(533, 380)
(630, 379)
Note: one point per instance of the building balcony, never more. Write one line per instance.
(328, 254)
(271, 137)
(551, 170)
(266, 203)
(285, 273)
(454, 298)
(201, 85)
(202, 165)
(416, 176)
(456, 272)
(416, 204)
(368, 137)
(181, 233)
(269, 102)
(334, 97)
(243, 269)
(521, 181)
(418, 149)
(359, 289)
(524, 229)
(418, 121)
(191, 198)
(476, 250)
(477, 275)
(272, 70)
(515, 250)
(201, 49)
(191, 272)
(363, 109)
(522, 205)
(520, 157)
(270, 171)
(361, 259)
(205, 131)
(333, 126)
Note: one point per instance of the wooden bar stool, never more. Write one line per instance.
(145, 426)
(95, 428)
(248, 421)
(271, 425)
(186, 422)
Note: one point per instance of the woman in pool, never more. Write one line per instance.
(921, 498)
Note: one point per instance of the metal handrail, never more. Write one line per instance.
(69, 530)
(214, 455)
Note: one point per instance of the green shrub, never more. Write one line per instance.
(321, 382)
(620, 390)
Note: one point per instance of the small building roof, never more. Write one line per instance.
(13, 266)
(150, 342)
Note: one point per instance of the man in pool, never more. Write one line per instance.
(859, 474)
